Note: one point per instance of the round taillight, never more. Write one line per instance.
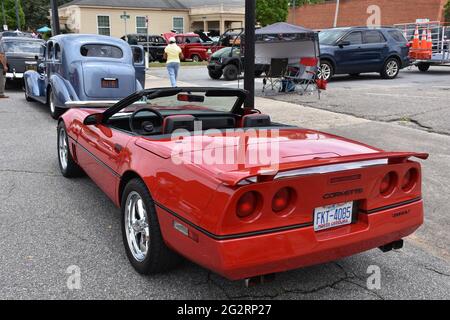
(409, 179)
(247, 204)
(388, 183)
(282, 199)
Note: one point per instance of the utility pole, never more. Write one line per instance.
(17, 15)
(336, 14)
(293, 12)
(249, 53)
(125, 17)
(55, 18)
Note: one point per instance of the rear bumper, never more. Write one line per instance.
(281, 251)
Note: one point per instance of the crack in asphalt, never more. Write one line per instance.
(437, 271)
(49, 174)
(409, 118)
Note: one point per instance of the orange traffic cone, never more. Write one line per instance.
(413, 53)
(416, 41)
(423, 45)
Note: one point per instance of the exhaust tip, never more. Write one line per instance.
(396, 245)
(254, 281)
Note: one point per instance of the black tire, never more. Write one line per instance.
(216, 75)
(196, 58)
(71, 168)
(230, 72)
(150, 58)
(55, 112)
(423, 67)
(27, 97)
(326, 71)
(159, 257)
(387, 72)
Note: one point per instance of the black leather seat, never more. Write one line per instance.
(255, 120)
(172, 123)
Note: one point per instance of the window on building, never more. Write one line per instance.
(178, 24)
(103, 25)
(141, 27)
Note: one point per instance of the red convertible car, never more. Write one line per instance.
(185, 166)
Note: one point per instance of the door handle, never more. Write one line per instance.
(118, 148)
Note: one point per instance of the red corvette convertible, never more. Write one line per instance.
(198, 175)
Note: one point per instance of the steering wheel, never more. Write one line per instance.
(146, 128)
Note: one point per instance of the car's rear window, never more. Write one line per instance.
(101, 50)
(397, 36)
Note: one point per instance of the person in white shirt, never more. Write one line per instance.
(173, 55)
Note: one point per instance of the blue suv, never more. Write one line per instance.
(358, 50)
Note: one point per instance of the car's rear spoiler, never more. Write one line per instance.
(324, 165)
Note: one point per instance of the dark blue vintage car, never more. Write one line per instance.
(85, 68)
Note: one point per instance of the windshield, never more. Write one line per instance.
(32, 47)
(329, 37)
(183, 102)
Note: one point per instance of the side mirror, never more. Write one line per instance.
(93, 119)
(343, 43)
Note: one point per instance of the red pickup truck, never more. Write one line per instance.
(191, 44)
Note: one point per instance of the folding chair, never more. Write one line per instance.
(276, 72)
(305, 76)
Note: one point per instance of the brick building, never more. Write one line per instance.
(355, 12)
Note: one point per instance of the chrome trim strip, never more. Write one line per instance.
(331, 168)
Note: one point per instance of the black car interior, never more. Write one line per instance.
(145, 122)
(149, 120)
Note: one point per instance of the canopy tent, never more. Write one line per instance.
(283, 40)
(44, 29)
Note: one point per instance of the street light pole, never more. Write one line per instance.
(249, 53)
(55, 18)
(336, 14)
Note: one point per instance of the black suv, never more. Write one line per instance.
(360, 49)
(229, 62)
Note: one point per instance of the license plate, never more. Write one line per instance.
(333, 216)
(110, 83)
(31, 67)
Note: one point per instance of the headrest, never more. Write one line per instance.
(172, 123)
(255, 120)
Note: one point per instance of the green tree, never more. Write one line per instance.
(37, 12)
(10, 14)
(447, 12)
(271, 11)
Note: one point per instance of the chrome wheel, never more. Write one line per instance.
(63, 149)
(136, 226)
(392, 68)
(324, 72)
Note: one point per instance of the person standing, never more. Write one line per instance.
(3, 70)
(173, 55)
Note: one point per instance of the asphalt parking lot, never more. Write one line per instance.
(49, 223)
